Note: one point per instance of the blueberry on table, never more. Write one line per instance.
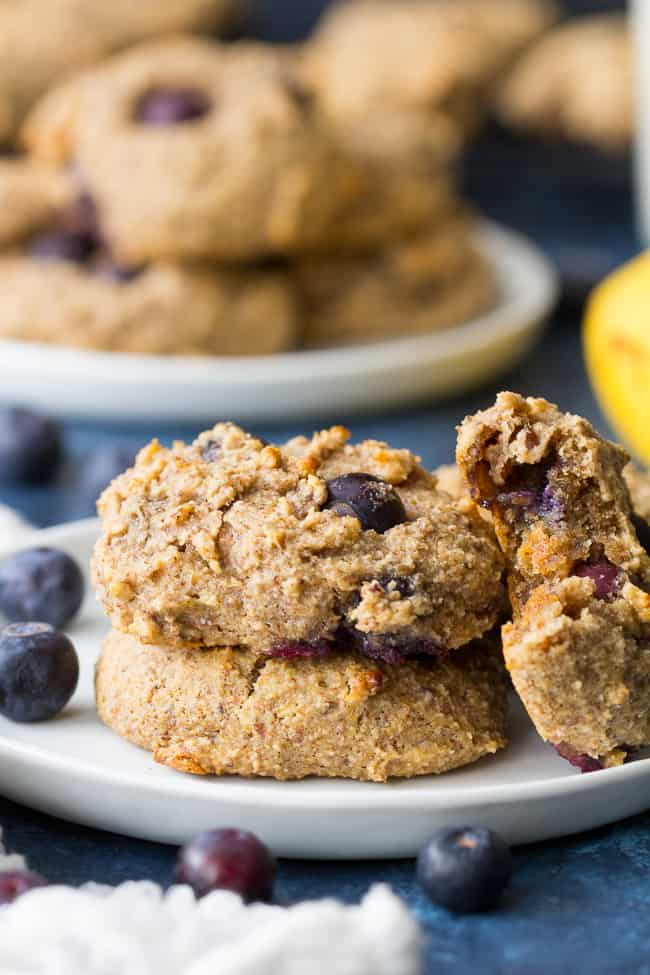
(227, 859)
(41, 584)
(15, 883)
(39, 671)
(31, 447)
(464, 869)
(372, 500)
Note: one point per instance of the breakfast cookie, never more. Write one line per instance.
(59, 284)
(578, 649)
(293, 550)
(419, 285)
(233, 711)
(198, 151)
(638, 484)
(575, 83)
(430, 58)
(42, 41)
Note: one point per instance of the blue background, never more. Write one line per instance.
(578, 905)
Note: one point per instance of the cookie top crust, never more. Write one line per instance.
(576, 83)
(287, 550)
(193, 150)
(31, 196)
(429, 57)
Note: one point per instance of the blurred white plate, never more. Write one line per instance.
(75, 768)
(372, 376)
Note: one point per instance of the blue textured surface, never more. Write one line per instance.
(578, 905)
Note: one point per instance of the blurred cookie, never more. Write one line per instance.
(196, 151)
(576, 83)
(432, 58)
(58, 284)
(42, 41)
(231, 711)
(432, 281)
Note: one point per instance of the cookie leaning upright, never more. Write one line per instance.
(294, 550)
(578, 649)
(195, 151)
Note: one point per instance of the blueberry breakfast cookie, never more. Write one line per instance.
(578, 649)
(426, 59)
(575, 83)
(421, 284)
(42, 41)
(234, 711)
(292, 551)
(195, 151)
(60, 284)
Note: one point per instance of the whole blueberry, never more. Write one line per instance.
(172, 106)
(31, 446)
(370, 499)
(42, 585)
(39, 671)
(101, 467)
(227, 859)
(61, 245)
(464, 869)
(15, 883)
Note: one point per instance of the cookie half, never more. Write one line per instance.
(578, 649)
(232, 712)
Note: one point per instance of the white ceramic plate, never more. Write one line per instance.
(384, 374)
(75, 768)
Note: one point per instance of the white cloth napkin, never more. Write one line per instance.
(138, 929)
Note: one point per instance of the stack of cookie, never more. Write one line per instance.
(233, 188)
(312, 609)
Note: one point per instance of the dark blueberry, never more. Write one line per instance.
(295, 649)
(81, 220)
(370, 499)
(464, 869)
(102, 466)
(59, 245)
(395, 648)
(227, 859)
(642, 529)
(607, 578)
(31, 447)
(41, 584)
(584, 762)
(39, 671)
(15, 883)
(172, 106)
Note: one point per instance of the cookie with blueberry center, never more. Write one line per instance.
(578, 649)
(60, 283)
(232, 711)
(196, 151)
(294, 550)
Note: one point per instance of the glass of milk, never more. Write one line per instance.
(641, 25)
